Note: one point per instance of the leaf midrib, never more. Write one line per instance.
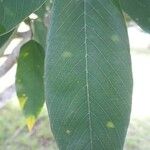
(86, 76)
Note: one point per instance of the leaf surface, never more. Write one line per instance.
(139, 11)
(4, 38)
(39, 28)
(29, 81)
(88, 75)
(15, 11)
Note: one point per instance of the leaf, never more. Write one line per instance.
(4, 38)
(139, 11)
(40, 25)
(88, 79)
(29, 81)
(14, 11)
(1, 18)
(39, 28)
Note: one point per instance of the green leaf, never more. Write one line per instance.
(40, 25)
(14, 11)
(29, 80)
(1, 18)
(88, 78)
(139, 11)
(4, 38)
(39, 28)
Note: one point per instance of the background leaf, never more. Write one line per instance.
(39, 28)
(139, 11)
(88, 75)
(29, 80)
(14, 11)
(4, 38)
(40, 25)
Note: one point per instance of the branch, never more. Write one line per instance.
(6, 95)
(12, 58)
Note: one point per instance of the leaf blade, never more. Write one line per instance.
(29, 81)
(87, 49)
(16, 11)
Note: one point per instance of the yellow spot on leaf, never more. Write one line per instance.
(30, 121)
(66, 54)
(68, 131)
(23, 99)
(110, 124)
(26, 54)
(115, 38)
(19, 80)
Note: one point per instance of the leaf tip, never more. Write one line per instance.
(30, 121)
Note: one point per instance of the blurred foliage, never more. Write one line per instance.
(14, 134)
